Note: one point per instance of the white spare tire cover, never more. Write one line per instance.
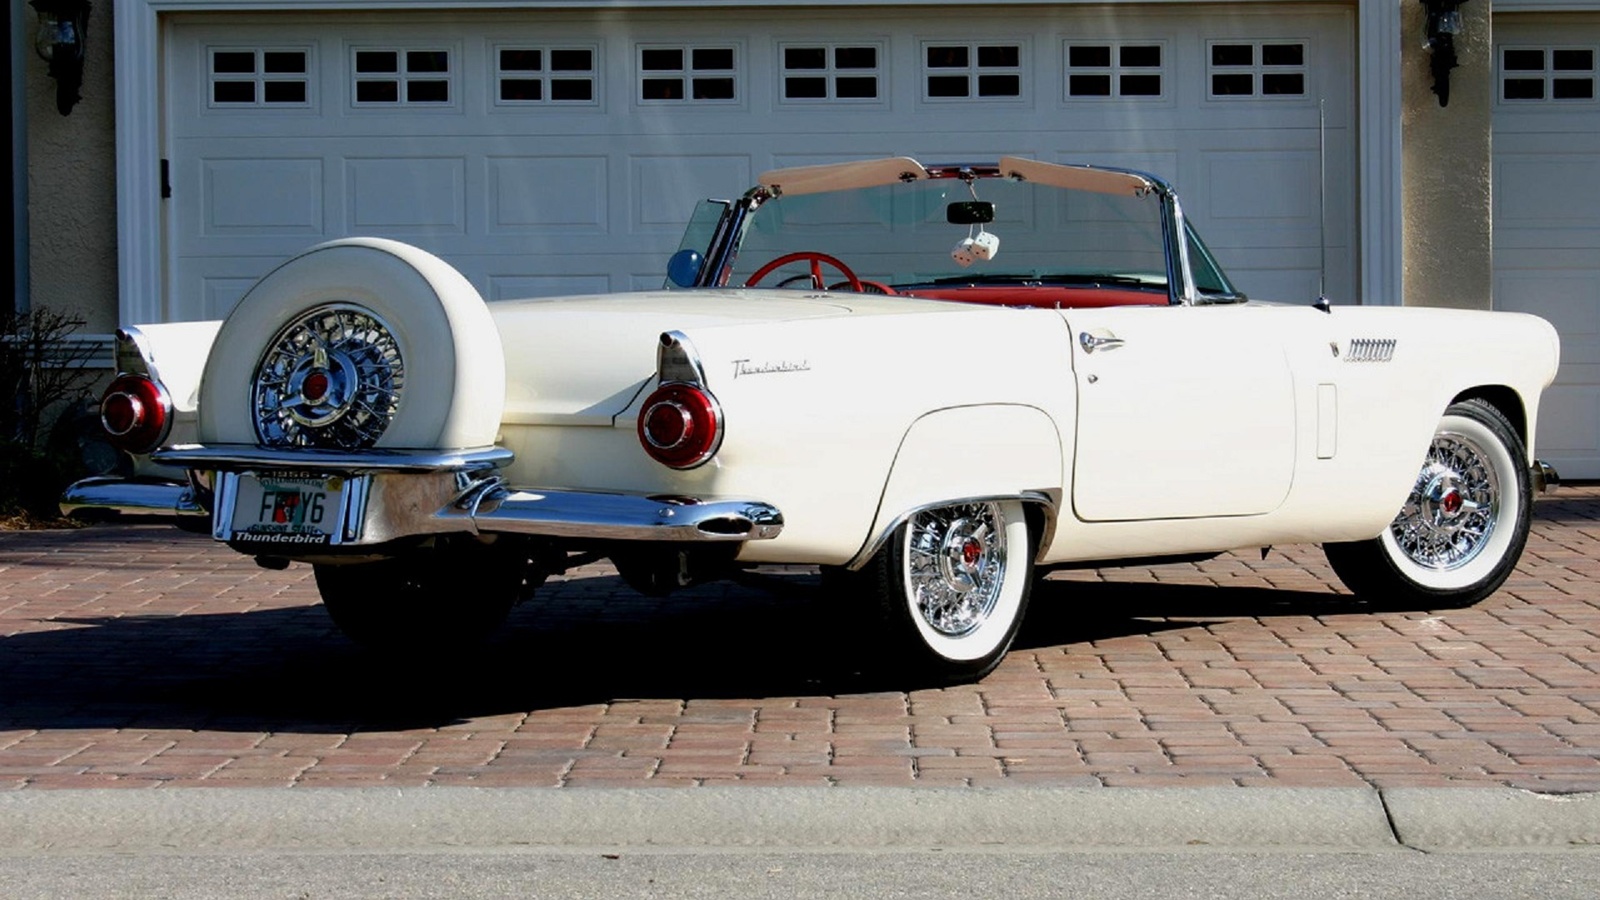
(427, 346)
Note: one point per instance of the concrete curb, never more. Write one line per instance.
(377, 819)
(1452, 818)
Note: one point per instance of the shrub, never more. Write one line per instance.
(44, 390)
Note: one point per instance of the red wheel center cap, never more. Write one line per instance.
(315, 387)
(970, 551)
(1451, 503)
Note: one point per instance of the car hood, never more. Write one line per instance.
(582, 360)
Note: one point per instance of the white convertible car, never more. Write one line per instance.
(933, 381)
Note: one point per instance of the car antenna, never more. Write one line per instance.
(1322, 302)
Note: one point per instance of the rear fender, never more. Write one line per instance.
(173, 354)
(972, 453)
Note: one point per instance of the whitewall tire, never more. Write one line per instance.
(949, 590)
(1463, 526)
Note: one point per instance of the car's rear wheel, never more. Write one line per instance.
(449, 596)
(1461, 530)
(946, 594)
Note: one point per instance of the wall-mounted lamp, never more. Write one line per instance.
(1444, 23)
(63, 28)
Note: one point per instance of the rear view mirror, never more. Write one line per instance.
(969, 212)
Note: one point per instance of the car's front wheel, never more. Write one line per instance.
(447, 596)
(947, 593)
(1462, 528)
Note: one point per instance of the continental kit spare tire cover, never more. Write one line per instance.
(354, 344)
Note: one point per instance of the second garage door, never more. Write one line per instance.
(1547, 214)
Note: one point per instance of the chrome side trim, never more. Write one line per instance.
(147, 499)
(620, 517)
(249, 456)
(1545, 477)
(1046, 499)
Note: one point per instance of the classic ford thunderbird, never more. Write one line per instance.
(935, 382)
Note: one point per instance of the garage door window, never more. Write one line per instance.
(823, 72)
(971, 71)
(402, 77)
(1257, 69)
(687, 74)
(545, 75)
(1114, 71)
(1547, 74)
(255, 77)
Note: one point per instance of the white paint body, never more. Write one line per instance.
(1208, 428)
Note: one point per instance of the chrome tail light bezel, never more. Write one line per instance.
(702, 418)
(151, 413)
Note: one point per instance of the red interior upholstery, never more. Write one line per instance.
(1043, 297)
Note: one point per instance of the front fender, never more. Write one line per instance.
(971, 453)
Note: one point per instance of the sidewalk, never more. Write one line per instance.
(144, 657)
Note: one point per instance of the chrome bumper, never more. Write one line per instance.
(1545, 477)
(400, 494)
(144, 498)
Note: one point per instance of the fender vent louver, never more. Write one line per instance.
(1370, 350)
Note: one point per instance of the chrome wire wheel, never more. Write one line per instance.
(942, 598)
(956, 566)
(332, 378)
(1453, 508)
(1461, 528)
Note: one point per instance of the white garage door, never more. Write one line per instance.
(549, 153)
(1547, 214)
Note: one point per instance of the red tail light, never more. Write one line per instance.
(136, 412)
(680, 425)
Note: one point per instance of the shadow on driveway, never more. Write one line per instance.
(581, 642)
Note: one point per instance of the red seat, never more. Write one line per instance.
(1043, 297)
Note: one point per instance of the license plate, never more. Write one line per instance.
(288, 508)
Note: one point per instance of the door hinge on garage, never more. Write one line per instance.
(166, 180)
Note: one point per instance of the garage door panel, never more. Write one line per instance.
(666, 189)
(1549, 191)
(262, 196)
(406, 195)
(1272, 180)
(565, 193)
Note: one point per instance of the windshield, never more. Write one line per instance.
(901, 235)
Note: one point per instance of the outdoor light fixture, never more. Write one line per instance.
(63, 27)
(1444, 23)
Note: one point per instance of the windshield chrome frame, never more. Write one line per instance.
(1181, 290)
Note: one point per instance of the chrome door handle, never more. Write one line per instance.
(1090, 343)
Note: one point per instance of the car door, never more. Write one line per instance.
(1183, 412)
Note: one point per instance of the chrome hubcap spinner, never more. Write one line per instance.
(956, 563)
(1452, 510)
(331, 378)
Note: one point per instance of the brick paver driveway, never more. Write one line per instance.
(138, 656)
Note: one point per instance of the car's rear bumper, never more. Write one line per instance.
(403, 493)
(1545, 477)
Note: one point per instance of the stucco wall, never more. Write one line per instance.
(72, 188)
(1446, 153)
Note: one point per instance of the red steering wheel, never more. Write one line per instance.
(816, 259)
